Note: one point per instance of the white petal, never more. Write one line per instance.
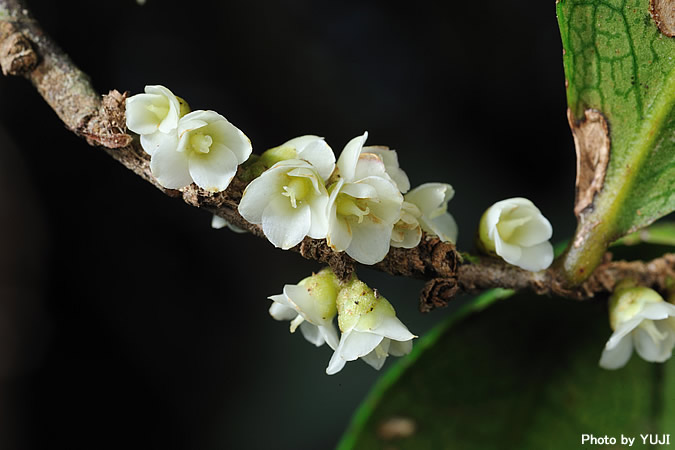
(370, 241)
(170, 121)
(443, 226)
(339, 234)
(284, 225)
(282, 312)
(259, 192)
(535, 258)
(429, 197)
(623, 330)
(335, 364)
(617, 356)
(300, 142)
(349, 157)
(213, 171)
(319, 154)
(223, 132)
(377, 357)
(393, 328)
(658, 311)
(305, 304)
(537, 230)
(312, 334)
(170, 167)
(218, 222)
(510, 253)
(330, 335)
(369, 164)
(650, 350)
(357, 344)
(359, 190)
(398, 348)
(319, 226)
(139, 118)
(390, 159)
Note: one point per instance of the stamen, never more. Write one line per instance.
(295, 323)
(296, 190)
(347, 206)
(652, 331)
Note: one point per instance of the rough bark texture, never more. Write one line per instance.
(25, 50)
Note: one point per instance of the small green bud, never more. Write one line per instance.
(357, 304)
(627, 300)
(323, 287)
(274, 155)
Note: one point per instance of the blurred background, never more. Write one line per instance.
(127, 322)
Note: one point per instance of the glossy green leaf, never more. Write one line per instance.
(522, 375)
(618, 62)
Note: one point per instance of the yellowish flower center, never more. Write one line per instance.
(350, 206)
(201, 142)
(297, 189)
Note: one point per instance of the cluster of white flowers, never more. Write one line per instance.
(370, 329)
(356, 204)
(640, 318)
(186, 147)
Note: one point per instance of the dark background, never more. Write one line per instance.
(126, 322)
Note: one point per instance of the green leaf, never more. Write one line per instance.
(522, 375)
(619, 63)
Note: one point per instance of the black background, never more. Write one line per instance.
(126, 322)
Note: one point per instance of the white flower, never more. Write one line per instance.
(370, 329)
(639, 317)
(205, 150)
(432, 200)
(218, 222)
(517, 231)
(310, 305)
(289, 200)
(154, 113)
(407, 232)
(310, 148)
(390, 160)
(364, 205)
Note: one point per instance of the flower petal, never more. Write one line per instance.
(312, 334)
(213, 171)
(393, 328)
(443, 226)
(400, 348)
(648, 349)
(370, 241)
(618, 355)
(390, 159)
(357, 344)
(349, 157)
(170, 167)
(282, 312)
(319, 154)
(330, 335)
(258, 193)
(536, 258)
(284, 225)
(377, 357)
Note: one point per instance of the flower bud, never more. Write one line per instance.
(516, 230)
(370, 329)
(640, 318)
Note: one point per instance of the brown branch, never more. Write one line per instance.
(25, 50)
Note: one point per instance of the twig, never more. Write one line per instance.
(25, 50)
